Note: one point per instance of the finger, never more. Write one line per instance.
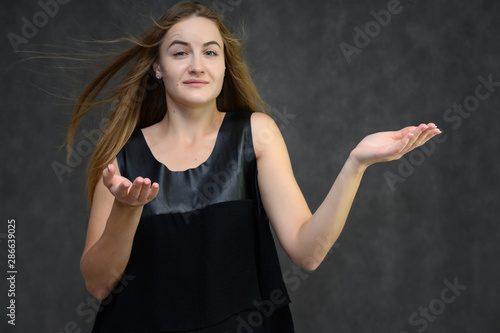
(401, 145)
(398, 135)
(415, 136)
(121, 192)
(431, 132)
(434, 129)
(408, 134)
(409, 139)
(422, 136)
(155, 188)
(146, 189)
(136, 188)
(428, 134)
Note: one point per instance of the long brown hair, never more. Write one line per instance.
(140, 99)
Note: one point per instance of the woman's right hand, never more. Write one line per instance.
(135, 194)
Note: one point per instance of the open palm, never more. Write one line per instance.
(136, 193)
(388, 146)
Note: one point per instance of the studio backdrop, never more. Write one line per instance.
(419, 252)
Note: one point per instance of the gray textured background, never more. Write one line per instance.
(438, 222)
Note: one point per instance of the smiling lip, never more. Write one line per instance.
(195, 83)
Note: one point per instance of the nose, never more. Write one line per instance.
(196, 66)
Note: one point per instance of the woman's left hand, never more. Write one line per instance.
(388, 146)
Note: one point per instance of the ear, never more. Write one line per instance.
(156, 69)
(156, 66)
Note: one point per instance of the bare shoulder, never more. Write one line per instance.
(261, 120)
(265, 132)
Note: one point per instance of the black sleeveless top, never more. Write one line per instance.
(203, 252)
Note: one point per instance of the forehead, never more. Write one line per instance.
(194, 30)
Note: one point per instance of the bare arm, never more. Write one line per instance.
(114, 217)
(307, 238)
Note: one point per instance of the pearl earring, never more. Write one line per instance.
(158, 76)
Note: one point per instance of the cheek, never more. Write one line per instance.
(172, 79)
(218, 71)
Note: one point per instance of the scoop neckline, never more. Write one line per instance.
(217, 139)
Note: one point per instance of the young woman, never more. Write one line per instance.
(185, 180)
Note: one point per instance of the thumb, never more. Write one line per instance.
(404, 143)
(107, 175)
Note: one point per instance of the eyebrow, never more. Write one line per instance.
(212, 42)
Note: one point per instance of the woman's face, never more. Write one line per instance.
(191, 63)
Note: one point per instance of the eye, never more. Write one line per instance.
(180, 53)
(211, 53)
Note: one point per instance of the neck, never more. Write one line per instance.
(190, 123)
